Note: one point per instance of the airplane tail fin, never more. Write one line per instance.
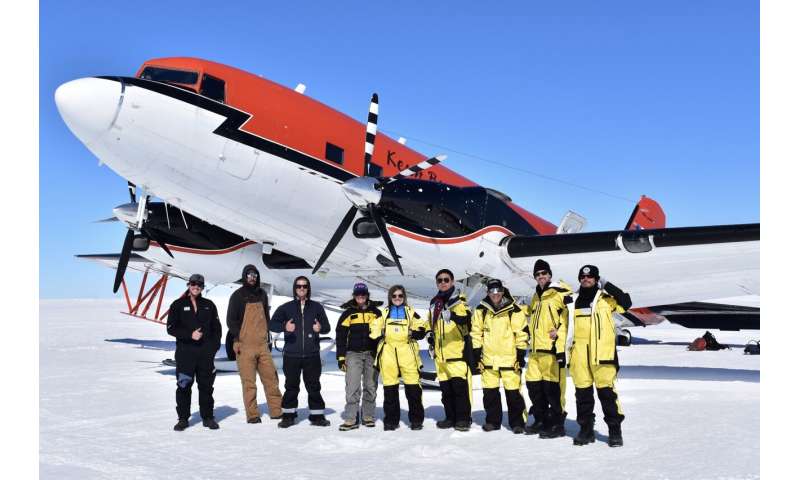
(646, 215)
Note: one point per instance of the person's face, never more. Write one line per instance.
(587, 281)
(496, 297)
(542, 277)
(398, 297)
(443, 282)
(252, 278)
(301, 289)
(195, 288)
(361, 298)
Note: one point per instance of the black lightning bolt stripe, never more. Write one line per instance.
(231, 127)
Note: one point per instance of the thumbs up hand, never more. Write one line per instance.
(197, 334)
(317, 327)
(290, 326)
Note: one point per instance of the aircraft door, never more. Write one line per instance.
(238, 160)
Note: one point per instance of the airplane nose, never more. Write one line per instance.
(89, 106)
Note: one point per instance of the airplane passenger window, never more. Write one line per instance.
(213, 88)
(334, 153)
(170, 76)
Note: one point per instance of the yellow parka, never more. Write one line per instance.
(396, 344)
(450, 329)
(596, 327)
(549, 310)
(499, 332)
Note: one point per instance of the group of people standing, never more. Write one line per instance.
(559, 330)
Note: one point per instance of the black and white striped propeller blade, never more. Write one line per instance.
(413, 170)
(364, 192)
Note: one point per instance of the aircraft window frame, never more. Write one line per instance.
(212, 78)
(177, 81)
(332, 150)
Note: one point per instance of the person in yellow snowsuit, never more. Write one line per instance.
(449, 321)
(500, 341)
(397, 329)
(593, 357)
(546, 375)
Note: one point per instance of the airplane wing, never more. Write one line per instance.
(664, 266)
(705, 315)
(136, 262)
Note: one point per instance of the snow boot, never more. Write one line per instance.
(490, 427)
(585, 436)
(553, 431)
(446, 423)
(518, 429)
(182, 425)
(368, 422)
(416, 425)
(319, 420)
(534, 428)
(463, 425)
(254, 420)
(614, 436)
(348, 425)
(210, 423)
(389, 427)
(287, 420)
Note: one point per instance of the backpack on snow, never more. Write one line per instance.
(753, 347)
(698, 345)
(712, 343)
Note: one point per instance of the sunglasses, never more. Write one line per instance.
(443, 280)
(398, 295)
(301, 285)
(581, 277)
(540, 273)
(195, 284)
(252, 274)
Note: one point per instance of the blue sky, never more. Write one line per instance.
(625, 97)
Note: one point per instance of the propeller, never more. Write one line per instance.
(139, 222)
(365, 192)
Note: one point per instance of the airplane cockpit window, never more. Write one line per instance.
(169, 76)
(213, 88)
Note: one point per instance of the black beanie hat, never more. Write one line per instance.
(542, 265)
(590, 270)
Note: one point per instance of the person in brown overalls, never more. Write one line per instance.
(248, 316)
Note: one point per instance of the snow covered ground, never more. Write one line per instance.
(107, 411)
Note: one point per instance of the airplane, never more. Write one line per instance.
(253, 172)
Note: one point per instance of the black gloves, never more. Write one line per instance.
(418, 334)
(562, 359)
(342, 365)
(521, 358)
(430, 340)
(477, 361)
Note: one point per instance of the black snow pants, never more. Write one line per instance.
(194, 361)
(311, 369)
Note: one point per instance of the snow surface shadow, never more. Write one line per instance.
(649, 372)
(220, 373)
(220, 413)
(166, 345)
(645, 341)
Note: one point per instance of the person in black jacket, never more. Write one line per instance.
(248, 317)
(301, 320)
(355, 352)
(194, 322)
